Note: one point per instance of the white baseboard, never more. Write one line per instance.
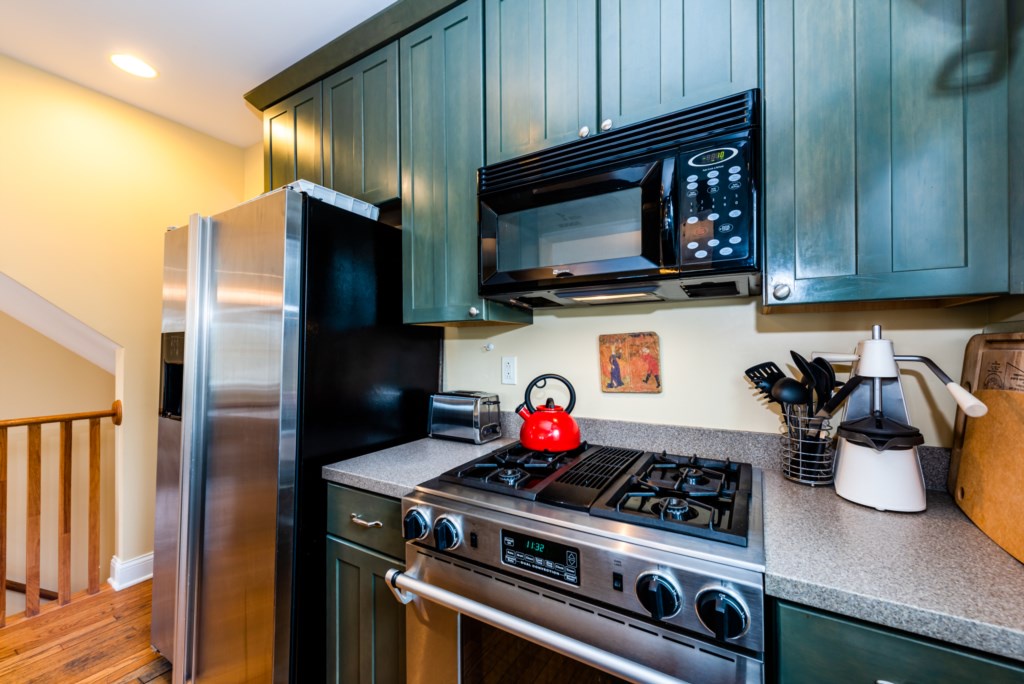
(125, 573)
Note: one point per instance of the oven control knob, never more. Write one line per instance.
(414, 526)
(722, 613)
(658, 595)
(446, 534)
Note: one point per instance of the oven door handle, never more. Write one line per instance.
(406, 587)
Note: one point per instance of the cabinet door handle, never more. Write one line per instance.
(585, 131)
(357, 520)
(606, 125)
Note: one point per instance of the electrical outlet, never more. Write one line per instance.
(508, 370)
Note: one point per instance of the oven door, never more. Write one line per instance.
(450, 638)
(533, 634)
(594, 227)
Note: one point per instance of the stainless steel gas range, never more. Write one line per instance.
(600, 562)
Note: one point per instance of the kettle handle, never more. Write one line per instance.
(542, 381)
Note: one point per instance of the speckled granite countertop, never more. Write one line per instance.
(931, 573)
(395, 471)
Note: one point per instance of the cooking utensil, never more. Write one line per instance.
(828, 384)
(787, 390)
(809, 378)
(839, 397)
(764, 375)
(548, 428)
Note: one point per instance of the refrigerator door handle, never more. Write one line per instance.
(192, 451)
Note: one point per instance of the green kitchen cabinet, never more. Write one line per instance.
(442, 146)
(541, 74)
(887, 149)
(292, 132)
(660, 56)
(365, 623)
(816, 647)
(561, 71)
(360, 125)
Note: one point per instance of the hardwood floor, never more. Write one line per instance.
(96, 639)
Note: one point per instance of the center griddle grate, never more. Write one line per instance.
(581, 484)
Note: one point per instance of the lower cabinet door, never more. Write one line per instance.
(365, 623)
(817, 647)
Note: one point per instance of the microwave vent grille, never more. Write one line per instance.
(538, 302)
(708, 290)
(678, 129)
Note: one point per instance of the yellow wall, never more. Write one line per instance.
(253, 171)
(40, 377)
(88, 185)
(705, 346)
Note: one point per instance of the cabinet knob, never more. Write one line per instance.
(606, 125)
(585, 131)
(473, 312)
(782, 291)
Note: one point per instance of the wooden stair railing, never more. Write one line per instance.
(34, 506)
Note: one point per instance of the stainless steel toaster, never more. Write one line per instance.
(465, 416)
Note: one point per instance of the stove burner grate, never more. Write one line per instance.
(700, 497)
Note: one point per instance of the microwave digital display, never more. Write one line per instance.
(713, 156)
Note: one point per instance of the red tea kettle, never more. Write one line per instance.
(548, 428)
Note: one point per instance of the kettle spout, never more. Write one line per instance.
(523, 412)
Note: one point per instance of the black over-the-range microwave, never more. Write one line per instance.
(664, 209)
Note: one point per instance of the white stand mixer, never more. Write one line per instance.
(877, 464)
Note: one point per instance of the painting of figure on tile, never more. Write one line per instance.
(630, 362)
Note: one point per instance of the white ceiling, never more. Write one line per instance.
(208, 53)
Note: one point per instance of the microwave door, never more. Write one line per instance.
(592, 227)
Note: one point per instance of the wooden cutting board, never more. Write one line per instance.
(987, 469)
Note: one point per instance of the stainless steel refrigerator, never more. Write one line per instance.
(283, 349)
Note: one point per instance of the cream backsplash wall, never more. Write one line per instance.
(40, 377)
(705, 346)
(88, 187)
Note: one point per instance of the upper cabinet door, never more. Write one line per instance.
(361, 127)
(292, 140)
(887, 149)
(660, 56)
(442, 148)
(541, 59)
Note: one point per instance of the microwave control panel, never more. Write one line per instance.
(715, 219)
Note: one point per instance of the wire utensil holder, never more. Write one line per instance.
(808, 456)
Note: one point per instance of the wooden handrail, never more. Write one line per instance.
(33, 505)
(114, 412)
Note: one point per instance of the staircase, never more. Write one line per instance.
(33, 514)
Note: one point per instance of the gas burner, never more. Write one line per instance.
(697, 496)
(510, 476)
(514, 470)
(693, 476)
(672, 508)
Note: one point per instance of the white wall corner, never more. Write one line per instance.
(125, 573)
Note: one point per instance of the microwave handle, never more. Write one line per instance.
(405, 587)
(668, 185)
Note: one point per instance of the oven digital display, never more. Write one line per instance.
(541, 556)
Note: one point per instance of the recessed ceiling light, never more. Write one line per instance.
(133, 65)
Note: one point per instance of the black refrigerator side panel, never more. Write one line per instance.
(366, 379)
